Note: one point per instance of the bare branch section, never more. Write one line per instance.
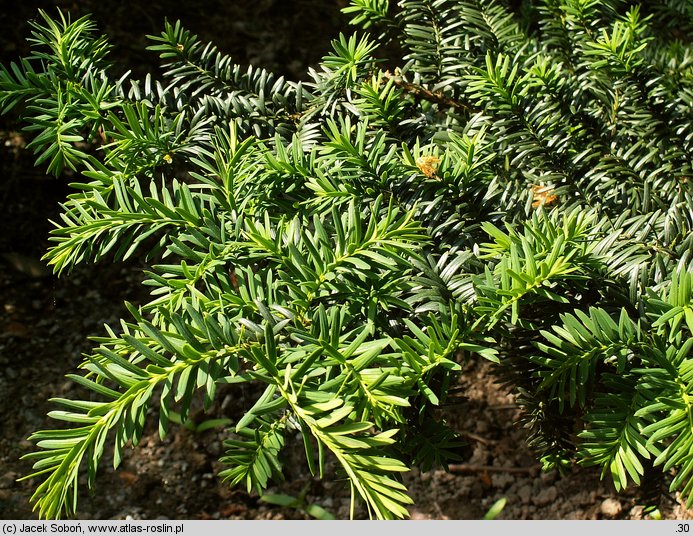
(436, 97)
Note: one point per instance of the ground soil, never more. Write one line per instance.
(45, 322)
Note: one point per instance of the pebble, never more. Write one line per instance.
(502, 480)
(548, 477)
(8, 480)
(525, 493)
(610, 507)
(545, 496)
(215, 448)
(637, 512)
(582, 498)
(481, 427)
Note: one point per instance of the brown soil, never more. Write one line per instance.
(45, 322)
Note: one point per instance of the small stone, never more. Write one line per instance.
(548, 477)
(525, 493)
(545, 496)
(215, 448)
(419, 516)
(502, 480)
(8, 480)
(636, 512)
(610, 507)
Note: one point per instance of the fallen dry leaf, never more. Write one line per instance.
(543, 195)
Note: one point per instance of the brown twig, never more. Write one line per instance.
(468, 468)
(426, 94)
(503, 407)
(477, 438)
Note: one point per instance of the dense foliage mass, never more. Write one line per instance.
(515, 186)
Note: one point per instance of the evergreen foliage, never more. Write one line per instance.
(515, 187)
